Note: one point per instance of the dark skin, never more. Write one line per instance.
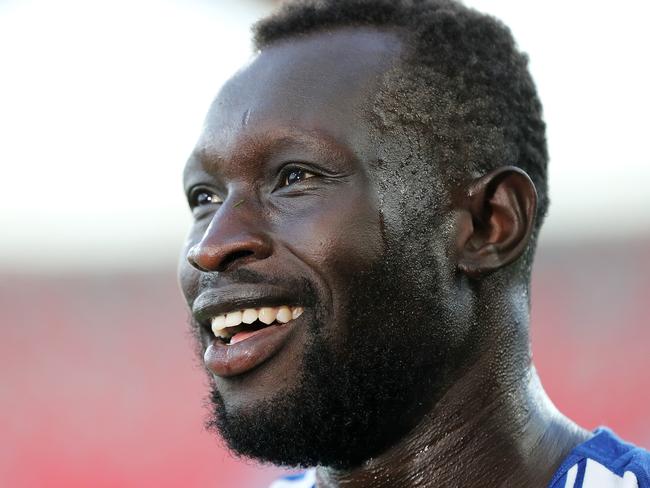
(282, 185)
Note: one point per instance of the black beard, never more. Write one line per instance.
(360, 395)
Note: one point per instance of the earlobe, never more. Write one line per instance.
(498, 220)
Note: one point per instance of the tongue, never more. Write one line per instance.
(241, 336)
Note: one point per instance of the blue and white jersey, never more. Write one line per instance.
(604, 461)
(306, 479)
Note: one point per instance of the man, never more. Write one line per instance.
(367, 195)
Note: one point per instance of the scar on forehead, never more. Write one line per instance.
(246, 117)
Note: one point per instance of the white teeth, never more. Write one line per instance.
(297, 312)
(218, 323)
(267, 314)
(233, 319)
(284, 315)
(249, 316)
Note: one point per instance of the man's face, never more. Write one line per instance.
(288, 212)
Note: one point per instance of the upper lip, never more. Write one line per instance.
(217, 301)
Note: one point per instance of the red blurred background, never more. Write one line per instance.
(100, 386)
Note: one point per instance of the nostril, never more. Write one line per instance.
(232, 257)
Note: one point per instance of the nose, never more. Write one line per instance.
(229, 242)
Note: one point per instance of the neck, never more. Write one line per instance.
(487, 430)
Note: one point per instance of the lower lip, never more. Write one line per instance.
(231, 360)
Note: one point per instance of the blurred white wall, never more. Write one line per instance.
(100, 104)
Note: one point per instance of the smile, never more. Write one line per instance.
(245, 326)
(234, 327)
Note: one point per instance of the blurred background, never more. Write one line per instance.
(100, 105)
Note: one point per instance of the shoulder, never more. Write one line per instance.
(604, 461)
(306, 479)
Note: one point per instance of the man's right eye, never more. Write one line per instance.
(203, 197)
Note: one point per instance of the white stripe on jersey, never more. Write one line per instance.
(598, 476)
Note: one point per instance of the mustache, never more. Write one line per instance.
(238, 276)
(301, 287)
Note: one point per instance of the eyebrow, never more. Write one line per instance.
(209, 162)
(316, 140)
(195, 168)
(205, 158)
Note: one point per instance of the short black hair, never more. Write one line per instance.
(463, 83)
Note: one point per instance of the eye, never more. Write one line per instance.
(294, 175)
(203, 197)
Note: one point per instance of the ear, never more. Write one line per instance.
(497, 221)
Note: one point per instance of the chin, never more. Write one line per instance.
(248, 394)
(345, 407)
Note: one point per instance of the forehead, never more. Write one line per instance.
(321, 83)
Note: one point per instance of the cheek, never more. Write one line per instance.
(338, 239)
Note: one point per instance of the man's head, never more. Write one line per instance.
(361, 168)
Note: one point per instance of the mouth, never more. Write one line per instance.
(239, 325)
(245, 327)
